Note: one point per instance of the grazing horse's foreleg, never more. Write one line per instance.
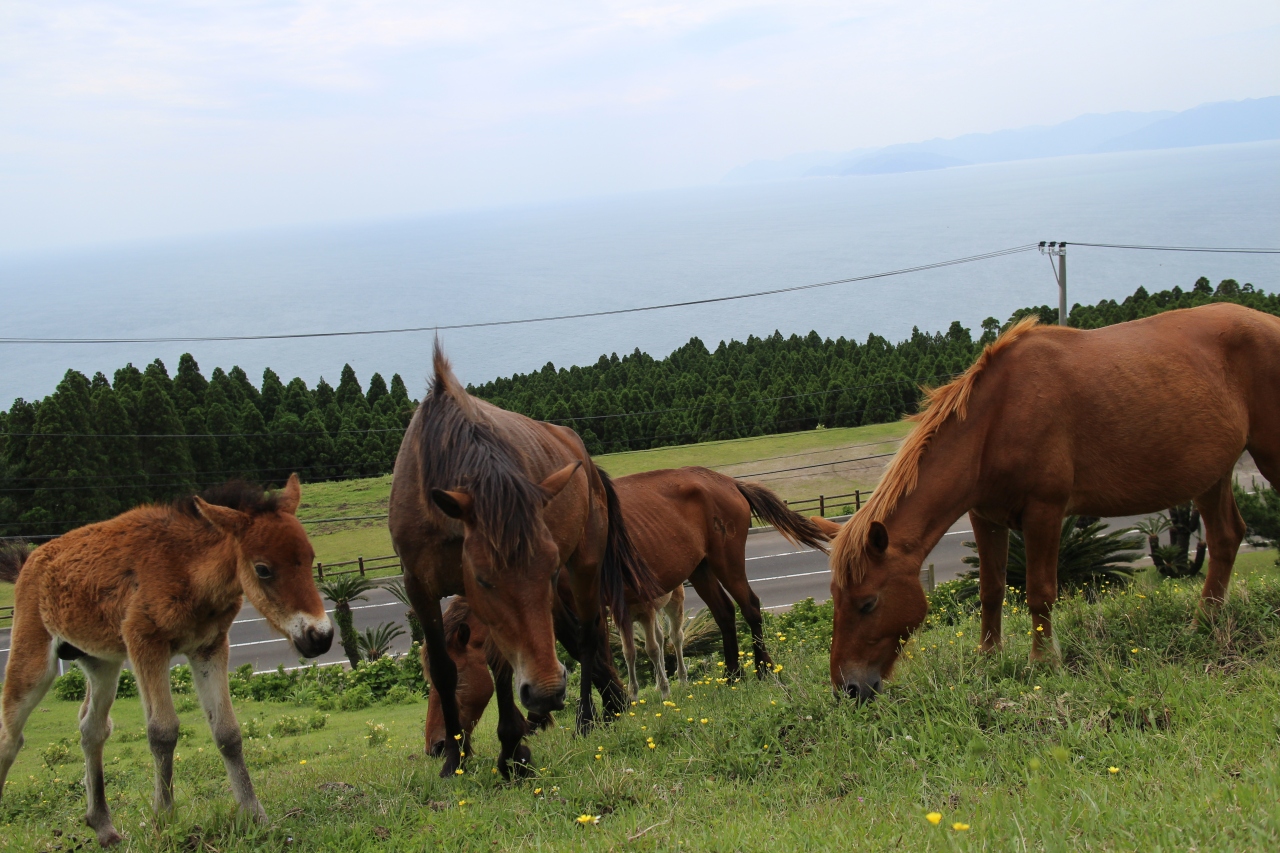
(444, 685)
(675, 614)
(209, 673)
(151, 667)
(627, 638)
(103, 676)
(709, 590)
(1224, 530)
(584, 580)
(993, 558)
(1042, 532)
(734, 578)
(511, 723)
(31, 669)
(653, 647)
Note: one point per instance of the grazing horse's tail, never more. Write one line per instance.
(12, 557)
(795, 527)
(623, 568)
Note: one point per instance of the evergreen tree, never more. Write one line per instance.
(120, 459)
(64, 460)
(377, 390)
(162, 445)
(348, 388)
(189, 386)
(272, 394)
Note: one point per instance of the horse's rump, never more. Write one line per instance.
(13, 555)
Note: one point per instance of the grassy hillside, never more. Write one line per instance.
(1152, 735)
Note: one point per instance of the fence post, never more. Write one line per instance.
(822, 505)
(320, 570)
(928, 578)
(360, 560)
(857, 499)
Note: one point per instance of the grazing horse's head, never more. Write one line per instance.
(465, 638)
(878, 603)
(511, 585)
(273, 559)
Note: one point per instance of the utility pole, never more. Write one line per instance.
(1058, 249)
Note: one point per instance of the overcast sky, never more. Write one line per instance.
(136, 120)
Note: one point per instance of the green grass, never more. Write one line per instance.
(1190, 720)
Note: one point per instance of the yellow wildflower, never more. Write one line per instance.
(1113, 770)
(934, 818)
(586, 819)
(959, 827)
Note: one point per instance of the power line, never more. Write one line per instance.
(1234, 250)
(550, 318)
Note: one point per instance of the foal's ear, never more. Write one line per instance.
(463, 635)
(224, 518)
(457, 505)
(290, 496)
(878, 537)
(555, 483)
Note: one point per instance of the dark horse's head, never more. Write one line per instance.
(510, 559)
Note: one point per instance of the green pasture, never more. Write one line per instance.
(1155, 733)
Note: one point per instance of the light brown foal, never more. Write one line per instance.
(152, 583)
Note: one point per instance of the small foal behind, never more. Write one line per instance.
(152, 583)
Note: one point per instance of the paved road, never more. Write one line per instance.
(780, 574)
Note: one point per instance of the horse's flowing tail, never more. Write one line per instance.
(12, 557)
(623, 568)
(794, 527)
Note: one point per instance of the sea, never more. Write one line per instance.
(644, 249)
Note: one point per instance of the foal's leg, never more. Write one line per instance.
(627, 639)
(675, 614)
(31, 669)
(151, 666)
(993, 558)
(209, 673)
(1042, 532)
(733, 575)
(511, 723)
(103, 677)
(653, 647)
(1224, 530)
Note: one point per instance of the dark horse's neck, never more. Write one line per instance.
(946, 489)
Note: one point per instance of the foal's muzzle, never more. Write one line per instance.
(313, 639)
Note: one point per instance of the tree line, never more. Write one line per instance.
(97, 446)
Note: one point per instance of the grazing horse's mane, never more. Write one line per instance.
(237, 494)
(460, 449)
(848, 550)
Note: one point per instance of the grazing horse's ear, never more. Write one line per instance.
(878, 537)
(557, 481)
(290, 496)
(453, 504)
(224, 518)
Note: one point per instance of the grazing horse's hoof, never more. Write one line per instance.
(522, 759)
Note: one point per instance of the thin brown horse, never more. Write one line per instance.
(492, 504)
(687, 524)
(152, 583)
(1052, 421)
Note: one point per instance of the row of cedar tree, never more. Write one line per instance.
(97, 446)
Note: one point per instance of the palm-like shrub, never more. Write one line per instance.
(1261, 511)
(342, 590)
(396, 588)
(1173, 560)
(1089, 556)
(376, 642)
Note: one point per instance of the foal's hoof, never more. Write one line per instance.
(254, 812)
(107, 835)
(452, 765)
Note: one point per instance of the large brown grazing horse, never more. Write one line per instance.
(1051, 421)
(149, 584)
(492, 504)
(687, 524)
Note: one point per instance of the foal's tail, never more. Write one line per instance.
(12, 555)
(623, 568)
(770, 508)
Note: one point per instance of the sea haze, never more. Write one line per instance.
(645, 249)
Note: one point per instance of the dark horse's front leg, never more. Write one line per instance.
(511, 723)
(444, 674)
(601, 674)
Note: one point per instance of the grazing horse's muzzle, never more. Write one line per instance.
(540, 699)
(859, 683)
(313, 638)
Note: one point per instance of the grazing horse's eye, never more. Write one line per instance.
(484, 583)
(869, 605)
(263, 570)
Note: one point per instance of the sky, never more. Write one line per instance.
(135, 121)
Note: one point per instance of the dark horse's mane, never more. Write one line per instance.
(460, 449)
(237, 494)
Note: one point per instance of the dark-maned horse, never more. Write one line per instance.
(1051, 421)
(152, 583)
(686, 524)
(492, 504)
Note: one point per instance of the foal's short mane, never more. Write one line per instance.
(460, 449)
(848, 551)
(237, 494)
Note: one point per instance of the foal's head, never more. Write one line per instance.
(511, 586)
(465, 638)
(273, 558)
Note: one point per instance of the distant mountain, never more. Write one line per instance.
(1210, 124)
